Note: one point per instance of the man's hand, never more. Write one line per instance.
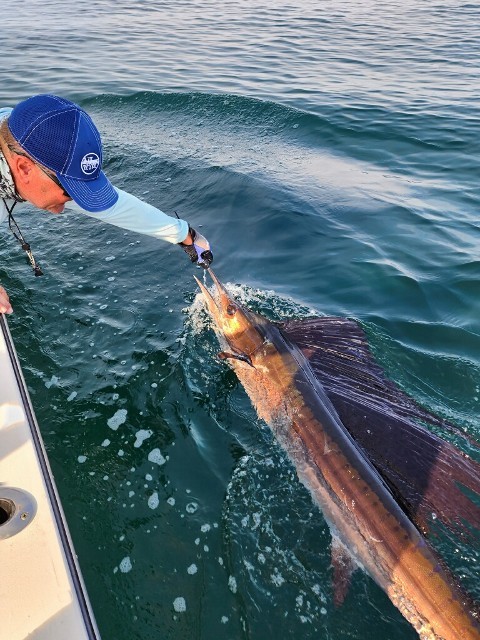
(5, 306)
(197, 248)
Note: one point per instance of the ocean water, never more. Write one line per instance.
(330, 153)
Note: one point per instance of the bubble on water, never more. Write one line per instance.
(81, 459)
(109, 258)
(106, 442)
(205, 527)
(232, 584)
(117, 419)
(141, 436)
(125, 565)
(156, 457)
(224, 619)
(191, 507)
(179, 605)
(72, 396)
(192, 569)
(171, 501)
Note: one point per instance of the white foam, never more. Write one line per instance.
(156, 457)
(277, 578)
(52, 382)
(179, 605)
(117, 419)
(72, 396)
(153, 500)
(232, 583)
(81, 459)
(125, 565)
(192, 569)
(141, 436)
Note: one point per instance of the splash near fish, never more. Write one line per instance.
(355, 440)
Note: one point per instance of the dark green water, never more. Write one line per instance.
(330, 152)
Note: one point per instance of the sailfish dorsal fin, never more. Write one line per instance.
(425, 472)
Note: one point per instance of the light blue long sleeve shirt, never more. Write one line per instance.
(129, 212)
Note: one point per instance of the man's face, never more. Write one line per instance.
(37, 185)
(42, 190)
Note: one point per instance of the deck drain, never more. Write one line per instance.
(17, 510)
(7, 509)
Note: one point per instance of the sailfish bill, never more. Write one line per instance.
(317, 386)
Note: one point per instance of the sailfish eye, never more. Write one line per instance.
(231, 309)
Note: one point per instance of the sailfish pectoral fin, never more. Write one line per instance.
(343, 568)
(224, 355)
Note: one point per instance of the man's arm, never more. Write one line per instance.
(136, 215)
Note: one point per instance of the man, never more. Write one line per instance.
(51, 156)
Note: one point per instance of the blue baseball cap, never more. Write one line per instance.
(61, 136)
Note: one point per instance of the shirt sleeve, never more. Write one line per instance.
(5, 111)
(134, 214)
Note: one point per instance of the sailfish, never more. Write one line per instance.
(362, 448)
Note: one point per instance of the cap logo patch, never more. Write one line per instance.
(90, 163)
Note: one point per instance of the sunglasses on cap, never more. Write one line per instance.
(52, 176)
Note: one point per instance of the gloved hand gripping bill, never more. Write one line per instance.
(199, 251)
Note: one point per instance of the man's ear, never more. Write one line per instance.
(22, 168)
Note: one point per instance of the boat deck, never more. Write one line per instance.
(42, 593)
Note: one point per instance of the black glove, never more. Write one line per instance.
(199, 251)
